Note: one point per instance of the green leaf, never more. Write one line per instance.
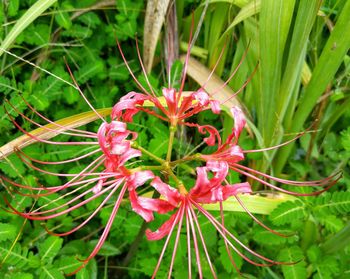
(18, 275)
(7, 232)
(17, 256)
(294, 271)
(29, 16)
(67, 264)
(267, 238)
(89, 272)
(331, 223)
(50, 248)
(336, 203)
(50, 273)
(63, 19)
(287, 212)
(13, 6)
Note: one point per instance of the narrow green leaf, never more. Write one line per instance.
(29, 16)
(275, 19)
(255, 203)
(330, 60)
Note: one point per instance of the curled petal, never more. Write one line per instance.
(239, 122)
(238, 188)
(145, 213)
(203, 129)
(202, 97)
(215, 106)
(171, 194)
(129, 103)
(164, 229)
(139, 178)
(156, 205)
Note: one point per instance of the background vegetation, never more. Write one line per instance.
(302, 80)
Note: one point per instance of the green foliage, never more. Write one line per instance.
(288, 212)
(290, 43)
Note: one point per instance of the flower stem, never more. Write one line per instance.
(141, 168)
(186, 159)
(145, 151)
(171, 141)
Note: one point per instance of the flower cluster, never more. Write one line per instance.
(108, 173)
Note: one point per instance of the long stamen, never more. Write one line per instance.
(57, 162)
(196, 249)
(178, 213)
(215, 66)
(116, 186)
(203, 242)
(55, 123)
(176, 244)
(43, 140)
(281, 189)
(243, 86)
(258, 221)
(234, 71)
(320, 182)
(225, 241)
(143, 68)
(221, 229)
(82, 94)
(188, 246)
(105, 231)
(186, 62)
(45, 127)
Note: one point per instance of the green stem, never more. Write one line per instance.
(186, 159)
(141, 168)
(171, 141)
(145, 151)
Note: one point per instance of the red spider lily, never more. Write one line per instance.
(204, 191)
(113, 144)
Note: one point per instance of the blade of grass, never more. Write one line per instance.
(330, 60)
(256, 203)
(29, 16)
(275, 20)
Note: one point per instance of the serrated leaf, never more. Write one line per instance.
(336, 203)
(294, 271)
(50, 248)
(63, 19)
(17, 256)
(287, 212)
(7, 232)
(332, 223)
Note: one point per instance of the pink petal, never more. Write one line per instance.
(238, 188)
(171, 194)
(156, 205)
(138, 208)
(215, 106)
(138, 179)
(164, 229)
(239, 121)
